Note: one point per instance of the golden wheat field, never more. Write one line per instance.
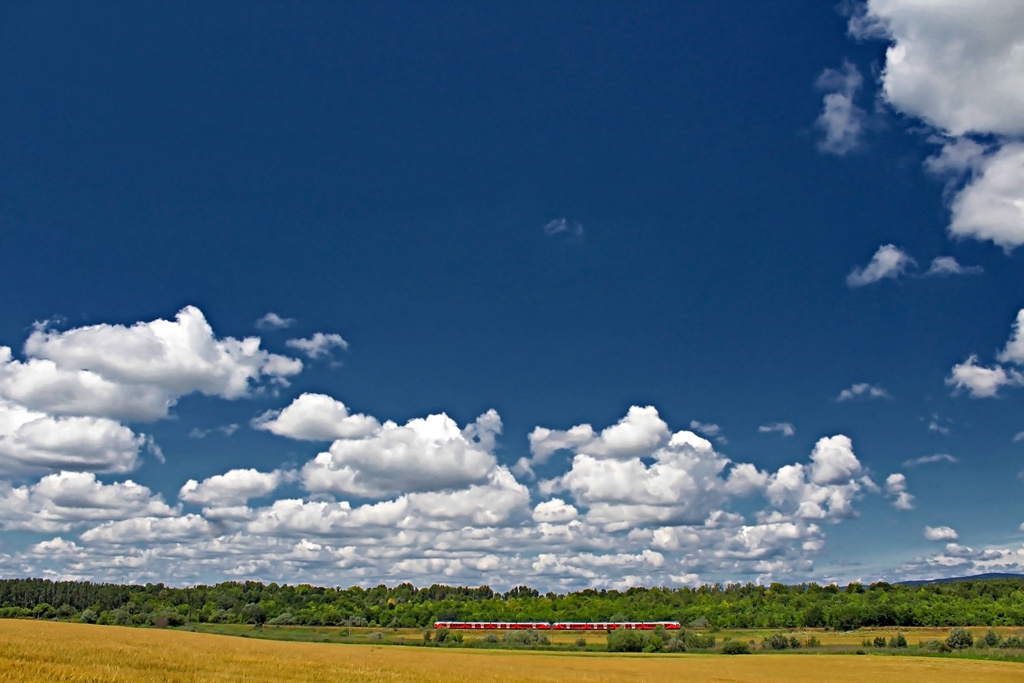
(47, 651)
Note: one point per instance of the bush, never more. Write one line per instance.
(1014, 642)
(936, 646)
(991, 639)
(879, 641)
(441, 635)
(88, 616)
(624, 640)
(427, 636)
(581, 643)
(897, 641)
(376, 635)
(775, 641)
(959, 638)
(735, 647)
(697, 641)
(491, 638)
(282, 619)
(654, 644)
(675, 644)
(525, 639)
(814, 642)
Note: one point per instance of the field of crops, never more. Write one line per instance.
(36, 650)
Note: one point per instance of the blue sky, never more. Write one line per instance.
(571, 294)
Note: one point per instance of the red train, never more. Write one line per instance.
(558, 626)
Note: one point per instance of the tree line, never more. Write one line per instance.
(990, 602)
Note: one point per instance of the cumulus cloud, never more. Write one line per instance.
(425, 454)
(940, 533)
(980, 381)
(784, 428)
(319, 345)
(958, 66)
(234, 487)
(316, 417)
(33, 442)
(862, 389)
(641, 431)
(888, 262)
(841, 121)
(272, 321)
(896, 488)
(60, 501)
(929, 459)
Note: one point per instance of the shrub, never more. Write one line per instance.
(654, 644)
(675, 644)
(735, 647)
(775, 641)
(936, 646)
(427, 636)
(697, 641)
(813, 642)
(959, 638)
(525, 639)
(898, 641)
(491, 638)
(282, 619)
(581, 643)
(441, 635)
(375, 635)
(88, 616)
(991, 639)
(793, 642)
(1015, 642)
(624, 640)
(879, 641)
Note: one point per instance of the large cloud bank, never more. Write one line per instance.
(375, 500)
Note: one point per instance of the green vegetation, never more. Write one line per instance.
(997, 602)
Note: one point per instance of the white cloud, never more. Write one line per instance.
(641, 431)
(564, 227)
(178, 357)
(833, 460)
(319, 345)
(234, 487)
(841, 120)
(784, 428)
(991, 205)
(947, 265)
(316, 417)
(896, 488)
(708, 428)
(425, 454)
(272, 321)
(956, 64)
(980, 381)
(940, 533)
(1013, 352)
(985, 382)
(555, 511)
(32, 442)
(187, 529)
(928, 459)
(862, 389)
(888, 262)
(66, 499)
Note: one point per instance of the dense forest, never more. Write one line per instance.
(991, 602)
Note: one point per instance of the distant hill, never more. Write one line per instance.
(954, 579)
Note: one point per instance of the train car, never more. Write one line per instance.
(613, 625)
(495, 625)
